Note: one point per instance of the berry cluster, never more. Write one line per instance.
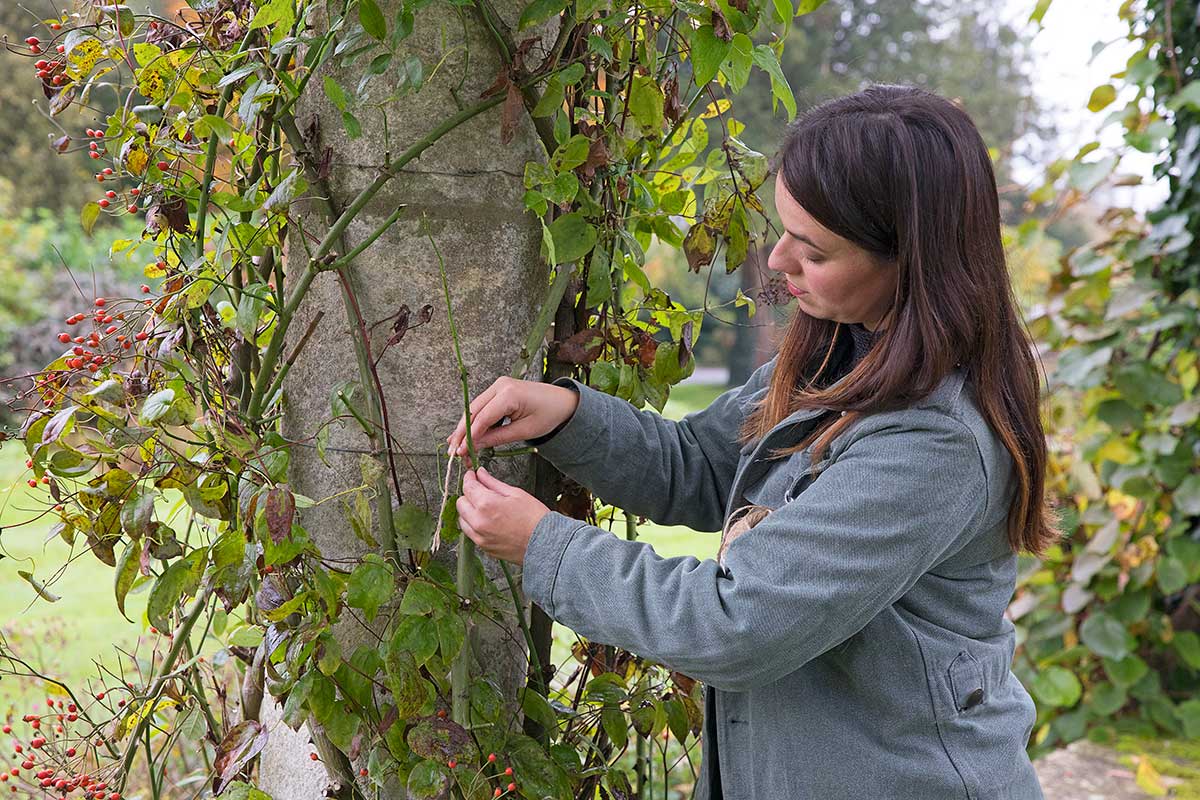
(48, 761)
(51, 72)
(508, 771)
(104, 344)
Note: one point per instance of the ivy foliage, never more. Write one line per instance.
(1110, 620)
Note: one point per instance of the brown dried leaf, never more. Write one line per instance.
(582, 348)
(514, 104)
(721, 26)
(243, 742)
(280, 511)
(597, 157)
(497, 85)
(646, 347)
(699, 246)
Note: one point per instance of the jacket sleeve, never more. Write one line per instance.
(906, 491)
(673, 472)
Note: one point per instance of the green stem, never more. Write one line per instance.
(159, 684)
(545, 317)
(210, 159)
(370, 240)
(460, 669)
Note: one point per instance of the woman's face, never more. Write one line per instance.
(831, 277)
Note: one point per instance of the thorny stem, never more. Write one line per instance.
(165, 671)
(460, 670)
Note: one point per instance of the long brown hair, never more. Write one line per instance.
(905, 175)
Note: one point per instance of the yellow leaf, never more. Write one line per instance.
(135, 715)
(1101, 97)
(1148, 778)
(718, 107)
(136, 160)
(84, 56)
(1117, 450)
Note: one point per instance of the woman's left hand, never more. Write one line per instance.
(499, 518)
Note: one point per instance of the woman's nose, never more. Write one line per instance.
(776, 259)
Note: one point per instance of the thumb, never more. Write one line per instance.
(492, 482)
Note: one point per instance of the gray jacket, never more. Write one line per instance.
(852, 643)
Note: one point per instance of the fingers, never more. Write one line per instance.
(479, 402)
(490, 481)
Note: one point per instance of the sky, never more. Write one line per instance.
(1066, 72)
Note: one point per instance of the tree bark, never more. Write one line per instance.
(469, 188)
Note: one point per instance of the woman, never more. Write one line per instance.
(874, 482)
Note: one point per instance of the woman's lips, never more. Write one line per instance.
(794, 291)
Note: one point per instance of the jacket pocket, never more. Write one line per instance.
(967, 683)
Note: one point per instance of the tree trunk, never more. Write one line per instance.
(469, 188)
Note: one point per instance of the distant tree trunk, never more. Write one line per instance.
(753, 338)
(469, 187)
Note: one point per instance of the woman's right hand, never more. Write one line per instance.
(533, 409)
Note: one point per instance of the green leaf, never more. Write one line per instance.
(571, 153)
(1107, 698)
(615, 725)
(539, 11)
(574, 237)
(428, 780)
(538, 709)
(1187, 644)
(538, 775)
(646, 105)
(177, 580)
(738, 61)
(677, 719)
(1188, 713)
(293, 708)
(405, 681)
(211, 124)
(451, 633)
(246, 637)
(1187, 495)
(1127, 671)
(136, 513)
(372, 19)
(707, 53)
(417, 635)
(273, 12)
(156, 406)
(38, 586)
(335, 94)
(1171, 575)
(421, 597)
(551, 99)
(123, 16)
(767, 61)
(370, 585)
(413, 527)
(1106, 636)
(1188, 96)
(1057, 687)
